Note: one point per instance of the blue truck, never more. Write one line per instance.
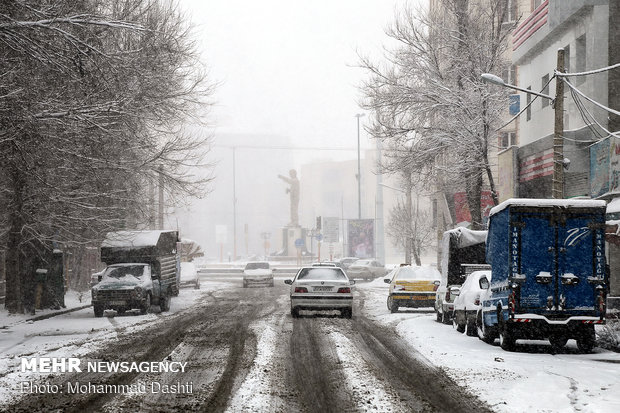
(549, 274)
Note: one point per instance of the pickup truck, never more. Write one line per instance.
(142, 270)
(549, 274)
(461, 248)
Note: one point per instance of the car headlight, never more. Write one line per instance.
(137, 292)
(93, 293)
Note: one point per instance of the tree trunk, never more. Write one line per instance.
(14, 300)
(474, 194)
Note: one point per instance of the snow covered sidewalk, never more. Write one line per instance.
(531, 379)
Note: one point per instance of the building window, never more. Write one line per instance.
(580, 58)
(528, 100)
(545, 89)
(434, 206)
(567, 58)
(507, 139)
(510, 74)
(510, 11)
(535, 4)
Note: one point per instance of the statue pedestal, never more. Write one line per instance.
(289, 235)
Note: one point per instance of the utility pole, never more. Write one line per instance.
(558, 131)
(359, 169)
(234, 206)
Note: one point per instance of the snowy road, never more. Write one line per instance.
(246, 353)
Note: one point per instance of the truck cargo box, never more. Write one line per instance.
(549, 270)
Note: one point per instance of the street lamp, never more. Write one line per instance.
(559, 163)
(359, 176)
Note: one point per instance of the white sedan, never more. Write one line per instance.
(321, 288)
(467, 302)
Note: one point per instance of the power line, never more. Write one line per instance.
(284, 147)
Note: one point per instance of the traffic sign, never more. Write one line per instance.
(299, 242)
(319, 237)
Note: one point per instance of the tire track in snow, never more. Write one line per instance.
(370, 392)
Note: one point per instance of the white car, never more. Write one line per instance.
(468, 301)
(189, 275)
(321, 288)
(367, 269)
(258, 273)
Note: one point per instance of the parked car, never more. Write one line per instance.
(467, 302)
(258, 273)
(321, 288)
(367, 269)
(346, 262)
(412, 286)
(462, 251)
(324, 264)
(189, 275)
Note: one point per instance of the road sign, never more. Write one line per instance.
(299, 243)
(319, 237)
(331, 229)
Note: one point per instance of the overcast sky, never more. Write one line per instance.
(287, 73)
(286, 67)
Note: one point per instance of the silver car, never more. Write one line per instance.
(321, 288)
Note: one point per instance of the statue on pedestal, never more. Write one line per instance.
(293, 190)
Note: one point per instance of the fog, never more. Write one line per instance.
(287, 97)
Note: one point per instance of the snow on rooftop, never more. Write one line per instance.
(466, 237)
(583, 203)
(122, 239)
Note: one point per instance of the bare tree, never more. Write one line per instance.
(428, 95)
(94, 96)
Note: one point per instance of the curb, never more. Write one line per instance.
(55, 313)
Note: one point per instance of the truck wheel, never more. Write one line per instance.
(164, 302)
(98, 310)
(586, 339)
(507, 339)
(147, 305)
(558, 340)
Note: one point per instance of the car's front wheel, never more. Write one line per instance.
(146, 307)
(346, 312)
(98, 309)
(391, 305)
(164, 302)
(295, 312)
(459, 327)
(484, 333)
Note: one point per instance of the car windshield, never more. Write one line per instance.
(257, 266)
(362, 262)
(124, 270)
(326, 273)
(417, 273)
